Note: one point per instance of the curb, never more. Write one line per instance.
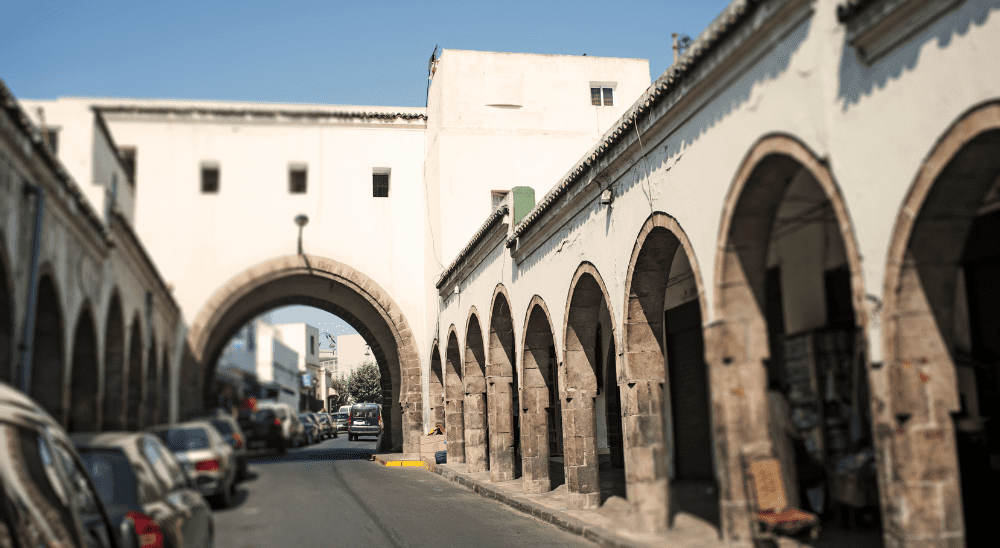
(598, 535)
(398, 463)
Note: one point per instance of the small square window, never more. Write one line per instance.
(297, 180)
(380, 185)
(602, 94)
(209, 179)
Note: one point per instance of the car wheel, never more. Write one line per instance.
(226, 497)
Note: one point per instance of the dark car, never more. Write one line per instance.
(233, 434)
(47, 497)
(142, 484)
(365, 420)
(263, 429)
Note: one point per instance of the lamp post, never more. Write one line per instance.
(301, 220)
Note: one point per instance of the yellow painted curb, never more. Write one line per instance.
(404, 463)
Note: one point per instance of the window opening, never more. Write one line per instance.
(297, 180)
(209, 179)
(128, 155)
(380, 185)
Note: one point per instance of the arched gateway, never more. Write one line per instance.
(336, 288)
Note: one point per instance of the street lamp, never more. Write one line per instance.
(301, 220)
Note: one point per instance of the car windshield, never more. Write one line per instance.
(223, 426)
(113, 475)
(340, 416)
(365, 412)
(185, 439)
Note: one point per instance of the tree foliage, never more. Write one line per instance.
(343, 396)
(364, 384)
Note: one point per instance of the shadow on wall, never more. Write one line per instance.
(858, 80)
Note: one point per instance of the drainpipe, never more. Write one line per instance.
(28, 333)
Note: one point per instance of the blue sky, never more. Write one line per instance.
(352, 53)
(361, 53)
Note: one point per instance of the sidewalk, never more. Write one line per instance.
(608, 526)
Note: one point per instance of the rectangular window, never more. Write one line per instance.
(312, 344)
(297, 179)
(602, 94)
(380, 183)
(128, 158)
(209, 178)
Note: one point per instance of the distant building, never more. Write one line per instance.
(262, 363)
(352, 351)
(304, 339)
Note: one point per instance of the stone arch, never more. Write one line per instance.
(113, 413)
(336, 288)
(150, 385)
(783, 212)
(435, 386)
(163, 413)
(541, 432)
(587, 309)
(454, 398)
(502, 390)
(476, 404)
(48, 368)
(6, 316)
(661, 257)
(133, 377)
(940, 336)
(84, 376)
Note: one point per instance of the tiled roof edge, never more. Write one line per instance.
(260, 113)
(490, 221)
(734, 14)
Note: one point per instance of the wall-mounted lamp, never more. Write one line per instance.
(301, 220)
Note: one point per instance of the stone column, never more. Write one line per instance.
(501, 430)
(535, 438)
(455, 430)
(475, 431)
(580, 452)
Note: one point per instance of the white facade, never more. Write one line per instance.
(260, 351)
(352, 351)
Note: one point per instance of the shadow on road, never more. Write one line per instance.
(320, 452)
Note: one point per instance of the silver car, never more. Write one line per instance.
(207, 459)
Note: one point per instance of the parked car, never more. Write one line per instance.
(47, 498)
(234, 436)
(292, 431)
(329, 429)
(206, 458)
(365, 420)
(340, 420)
(143, 486)
(314, 432)
(263, 429)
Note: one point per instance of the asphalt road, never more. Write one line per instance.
(318, 496)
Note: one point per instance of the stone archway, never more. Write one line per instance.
(454, 399)
(84, 376)
(6, 317)
(942, 352)
(789, 300)
(113, 414)
(502, 391)
(336, 288)
(47, 363)
(587, 319)
(541, 431)
(662, 259)
(476, 404)
(435, 387)
(133, 378)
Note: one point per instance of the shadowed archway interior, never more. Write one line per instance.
(84, 381)
(112, 416)
(133, 403)
(47, 369)
(502, 394)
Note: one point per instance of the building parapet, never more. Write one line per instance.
(258, 114)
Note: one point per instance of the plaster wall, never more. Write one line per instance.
(352, 351)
